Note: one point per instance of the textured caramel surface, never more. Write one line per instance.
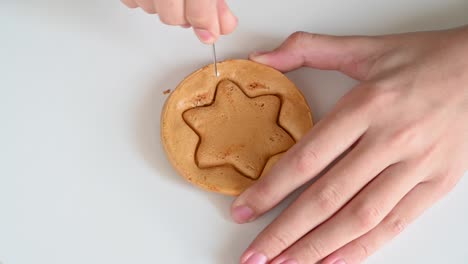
(224, 133)
(238, 130)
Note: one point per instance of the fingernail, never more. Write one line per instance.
(242, 214)
(256, 259)
(204, 35)
(340, 261)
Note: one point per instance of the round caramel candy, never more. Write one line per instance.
(224, 132)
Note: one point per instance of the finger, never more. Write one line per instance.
(227, 20)
(323, 199)
(147, 6)
(171, 12)
(352, 55)
(130, 3)
(359, 216)
(407, 210)
(203, 16)
(306, 159)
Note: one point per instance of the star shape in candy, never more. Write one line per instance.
(238, 130)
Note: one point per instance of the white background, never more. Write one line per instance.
(83, 178)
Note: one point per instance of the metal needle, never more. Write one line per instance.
(215, 62)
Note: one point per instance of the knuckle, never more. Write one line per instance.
(365, 99)
(315, 249)
(408, 136)
(447, 183)
(298, 35)
(377, 96)
(352, 106)
(367, 217)
(260, 196)
(329, 199)
(277, 242)
(262, 190)
(397, 226)
(304, 159)
(363, 248)
(297, 38)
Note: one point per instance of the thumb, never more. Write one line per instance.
(354, 56)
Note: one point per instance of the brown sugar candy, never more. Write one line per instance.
(223, 133)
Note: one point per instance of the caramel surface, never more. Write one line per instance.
(223, 133)
(238, 130)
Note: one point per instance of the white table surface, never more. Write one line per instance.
(83, 178)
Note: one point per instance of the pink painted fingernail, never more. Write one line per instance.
(340, 261)
(242, 214)
(256, 259)
(289, 261)
(204, 35)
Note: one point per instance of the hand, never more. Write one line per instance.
(400, 137)
(209, 18)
